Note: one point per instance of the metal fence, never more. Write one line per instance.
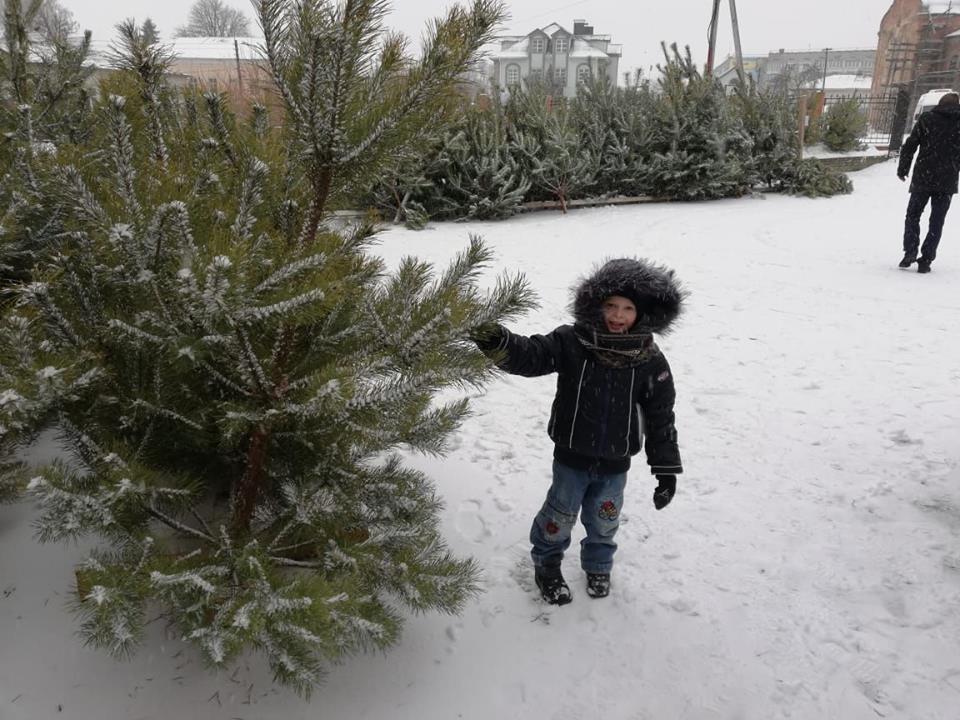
(886, 116)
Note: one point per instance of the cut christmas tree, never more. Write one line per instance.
(232, 373)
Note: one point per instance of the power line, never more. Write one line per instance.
(551, 11)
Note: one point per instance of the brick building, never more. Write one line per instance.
(918, 47)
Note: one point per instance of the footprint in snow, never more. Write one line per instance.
(470, 521)
(900, 437)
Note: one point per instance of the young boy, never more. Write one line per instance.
(614, 387)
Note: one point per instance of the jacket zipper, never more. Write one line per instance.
(633, 375)
(576, 407)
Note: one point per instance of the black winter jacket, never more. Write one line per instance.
(937, 134)
(602, 412)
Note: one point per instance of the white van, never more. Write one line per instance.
(928, 101)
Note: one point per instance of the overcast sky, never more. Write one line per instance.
(640, 25)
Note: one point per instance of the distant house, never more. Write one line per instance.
(557, 57)
(726, 71)
(218, 63)
(223, 64)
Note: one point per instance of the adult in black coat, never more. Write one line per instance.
(937, 135)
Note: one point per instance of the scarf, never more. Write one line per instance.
(619, 350)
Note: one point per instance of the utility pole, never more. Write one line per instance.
(712, 48)
(236, 54)
(826, 58)
(736, 41)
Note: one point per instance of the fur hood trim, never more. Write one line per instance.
(653, 289)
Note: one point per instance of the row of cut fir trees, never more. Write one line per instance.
(682, 138)
(232, 376)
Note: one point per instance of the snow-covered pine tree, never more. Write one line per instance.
(769, 118)
(560, 163)
(476, 175)
(614, 124)
(405, 187)
(702, 149)
(237, 373)
(44, 103)
(843, 125)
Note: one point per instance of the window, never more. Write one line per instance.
(536, 76)
(583, 74)
(560, 45)
(560, 76)
(537, 45)
(513, 74)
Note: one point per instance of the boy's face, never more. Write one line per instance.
(619, 314)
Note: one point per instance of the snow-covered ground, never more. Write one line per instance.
(821, 151)
(808, 568)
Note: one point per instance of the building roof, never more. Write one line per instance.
(189, 48)
(518, 46)
(554, 27)
(941, 8)
(215, 48)
(519, 49)
(585, 50)
(844, 82)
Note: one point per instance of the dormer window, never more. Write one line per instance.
(560, 45)
(538, 45)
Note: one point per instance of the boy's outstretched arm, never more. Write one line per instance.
(518, 354)
(663, 453)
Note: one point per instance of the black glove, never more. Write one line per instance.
(903, 178)
(486, 336)
(666, 489)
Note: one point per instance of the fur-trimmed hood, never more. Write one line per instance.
(653, 289)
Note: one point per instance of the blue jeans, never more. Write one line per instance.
(939, 204)
(598, 498)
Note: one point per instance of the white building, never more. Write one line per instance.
(557, 57)
(840, 87)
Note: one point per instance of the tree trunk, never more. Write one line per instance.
(248, 490)
(321, 191)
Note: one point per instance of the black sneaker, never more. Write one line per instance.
(908, 260)
(598, 585)
(923, 266)
(553, 588)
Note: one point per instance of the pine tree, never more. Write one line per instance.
(844, 124)
(703, 150)
(768, 117)
(560, 164)
(151, 34)
(234, 375)
(614, 125)
(475, 175)
(44, 103)
(406, 193)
